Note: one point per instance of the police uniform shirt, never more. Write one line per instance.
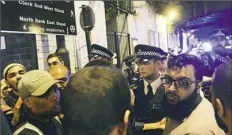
(144, 53)
(155, 85)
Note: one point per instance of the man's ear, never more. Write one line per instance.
(220, 107)
(157, 64)
(199, 88)
(27, 102)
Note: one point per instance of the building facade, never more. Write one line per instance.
(32, 49)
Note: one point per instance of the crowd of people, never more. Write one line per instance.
(163, 97)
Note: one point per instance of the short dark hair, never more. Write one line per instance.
(186, 59)
(98, 63)
(95, 101)
(222, 83)
(54, 55)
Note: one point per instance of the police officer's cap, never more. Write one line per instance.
(164, 55)
(98, 50)
(215, 34)
(146, 52)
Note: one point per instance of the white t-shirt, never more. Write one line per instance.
(200, 122)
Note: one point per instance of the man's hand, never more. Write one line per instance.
(157, 125)
(6, 109)
(162, 123)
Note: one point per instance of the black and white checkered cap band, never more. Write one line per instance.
(163, 56)
(219, 33)
(146, 53)
(99, 52)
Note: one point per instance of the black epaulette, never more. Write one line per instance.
(133, 86)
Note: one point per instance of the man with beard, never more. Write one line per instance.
(99, 52)
(15, 113)
(40, 94)
(187, 112)
(145, 89)
(222, 93)
(219, 53)
(13, 74)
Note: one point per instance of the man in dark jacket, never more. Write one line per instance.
(40, 95)
(13, 74)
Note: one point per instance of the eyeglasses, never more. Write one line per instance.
(180, 84)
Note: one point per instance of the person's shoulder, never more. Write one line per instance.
(199, 113)
(135, 84)
(205, 104)
(207, 124)
(27, 129)
(205, 131)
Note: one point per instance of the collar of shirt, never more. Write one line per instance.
(155, 85)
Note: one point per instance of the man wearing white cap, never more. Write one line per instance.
(40, 94)
(12, 74)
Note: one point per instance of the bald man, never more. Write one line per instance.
(60, 72)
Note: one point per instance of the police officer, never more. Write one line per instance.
(213, 59)
(99, 52)
(146, 88)
(219, 54)
(130, 71)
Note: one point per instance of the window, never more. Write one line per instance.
(134, 42)
(154, 39)
(19, 48)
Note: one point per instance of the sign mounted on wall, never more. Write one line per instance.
(56, 17)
